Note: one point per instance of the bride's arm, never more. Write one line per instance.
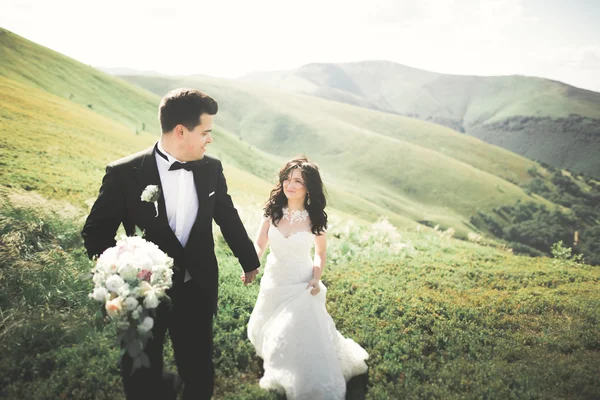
(320, 255)
(261, 241)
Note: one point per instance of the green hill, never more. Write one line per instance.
(415, 169)
(538, 118)
(72, 142)
(440, 318)
(374, 163)
(64, 121)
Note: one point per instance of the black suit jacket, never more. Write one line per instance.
(119, 202)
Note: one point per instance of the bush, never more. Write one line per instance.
(563, 256)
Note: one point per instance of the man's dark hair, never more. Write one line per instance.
(184, 106)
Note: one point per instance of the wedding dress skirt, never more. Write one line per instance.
(304, 355)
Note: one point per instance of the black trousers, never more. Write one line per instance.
(189, 323)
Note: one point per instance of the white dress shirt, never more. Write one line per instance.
(181, 199)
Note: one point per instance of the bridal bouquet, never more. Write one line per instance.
(130, 281)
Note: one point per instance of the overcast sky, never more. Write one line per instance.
(557, 39)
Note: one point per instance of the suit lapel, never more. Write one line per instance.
(147, 174)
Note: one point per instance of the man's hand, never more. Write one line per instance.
(248, 277)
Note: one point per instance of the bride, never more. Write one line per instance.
(304, 356)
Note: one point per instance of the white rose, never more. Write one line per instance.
(100, 294)
(130, 303)
(109, 255)
(114, 283)
(124, 290)
(114, 307)
(144, 262)
(99, 277)
(158, 257)
(146, 325)
(127, 271)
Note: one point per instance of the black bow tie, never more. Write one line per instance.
(188, 166)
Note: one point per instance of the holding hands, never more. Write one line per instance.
(248, 277)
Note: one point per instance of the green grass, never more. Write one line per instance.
(449, 319)
(538, 118)
(56, 147)
(38, 67)
(410, 91)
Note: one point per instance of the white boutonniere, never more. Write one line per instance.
(151, 194)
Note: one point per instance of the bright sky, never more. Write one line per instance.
(557, 39)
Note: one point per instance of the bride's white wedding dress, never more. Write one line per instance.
(304, 355)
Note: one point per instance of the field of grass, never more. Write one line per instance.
(440, 318)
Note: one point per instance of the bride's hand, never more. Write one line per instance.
(248, 277)
(315, 284)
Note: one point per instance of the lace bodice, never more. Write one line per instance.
(294, 246)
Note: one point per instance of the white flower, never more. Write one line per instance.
(143, 261)
(146, 325)
(136, 313)
(130, 303)
(120, 283)
(142, 289)
(151, 299)
(99, 294)
(99, 278)
(114, 283)
(124, 290)
(127, 270)
(109, 256)
(151, 193)
(158, 257)
(114, 307)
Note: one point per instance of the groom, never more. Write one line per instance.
(193, 192)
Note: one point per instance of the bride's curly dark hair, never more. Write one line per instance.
(315, 191)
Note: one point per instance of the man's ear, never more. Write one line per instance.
(178, 131)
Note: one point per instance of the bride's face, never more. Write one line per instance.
(293, 186)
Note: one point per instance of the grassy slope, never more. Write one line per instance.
(415, 169)
(490, 99)
(471, 99)
(75, 142)
(59, 149)
(538, 118)
(36, 66)
(453, 320)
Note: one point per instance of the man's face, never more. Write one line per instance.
(196, 140)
